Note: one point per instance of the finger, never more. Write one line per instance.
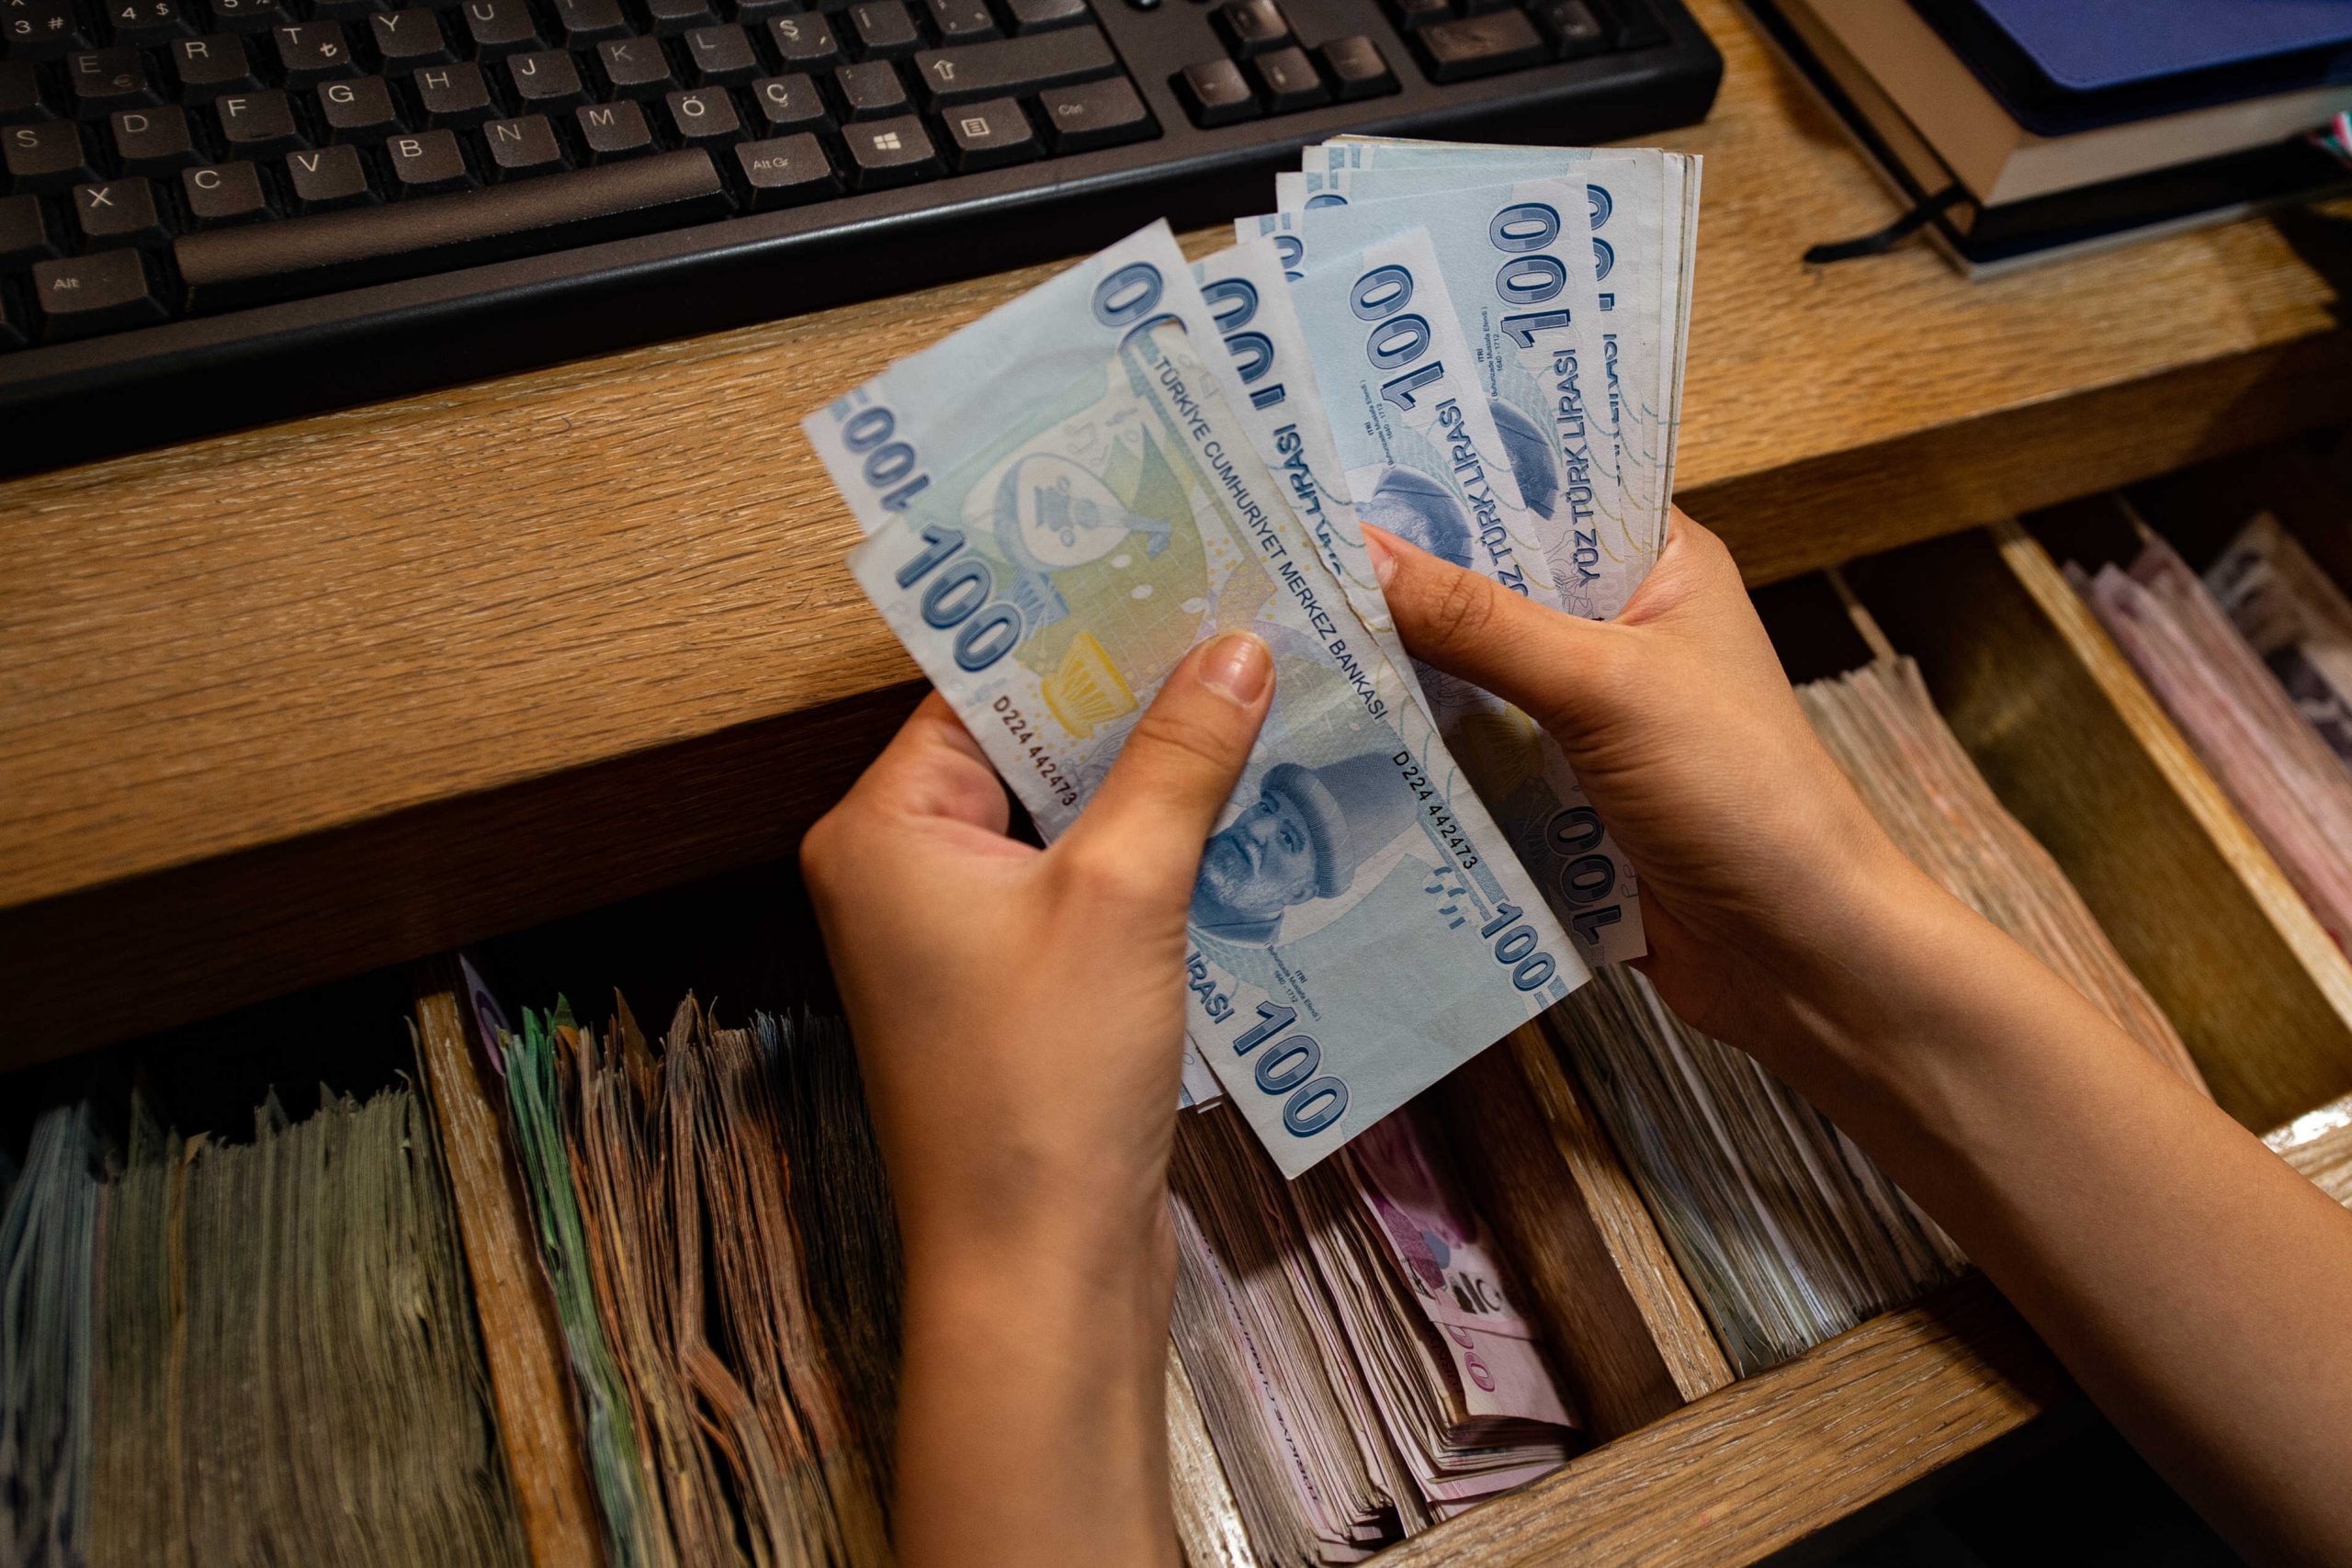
(932, 767)
(1532, 656)
(1156, 808)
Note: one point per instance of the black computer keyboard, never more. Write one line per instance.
(216, 213)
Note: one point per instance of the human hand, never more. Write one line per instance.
(1020, 1012)
(1755, 856)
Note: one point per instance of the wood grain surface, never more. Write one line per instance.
(529, 1384)
(1779, 1457)
(2082, 752)
(215, 657)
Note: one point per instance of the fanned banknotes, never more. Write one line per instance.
(1360, 925)
(1065, 497)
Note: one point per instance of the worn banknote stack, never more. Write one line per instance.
(252, 1347)
(1478, 348)
(719, 1239)
(2254, 663)
(1787, 1233)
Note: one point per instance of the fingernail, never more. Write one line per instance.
(1237, 666)
(1384, 560)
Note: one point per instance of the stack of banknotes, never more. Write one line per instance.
(1353, 1340)
(1788, 1232)
(243, 1349)
(1479, 348)
(719, 1242)
(2254, 663)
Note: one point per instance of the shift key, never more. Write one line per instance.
(1013, 67)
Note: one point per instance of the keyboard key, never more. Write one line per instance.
(48, 155)
(1013, 66)
(721, 57)
(152, 140)
(891, 153)
(223, 194)
(785, 171)
(14, 328)
(117, 212)
(1481, 46)
(500, 27)
(426, 161)
(1289, 81)
(614, 131)
(101, 80)
(671, 17)
(145, 23)
(1039, 15)
(1356, 69)
(990, 135)
(361, 112)
(375, 244)
(1253, 27)
(25, 234)
(872, 91)
(329, 178)
(104, 292)
(961, 21)
(1575, 31)
(312, 53)
(19, 90)
(409, 37)
(454, 97)
(704, 117)
(580, 23)
(524, 146)
(754, 11)
(635, 67)
(208, 67)
(885, 30)
(1100, 114)
(257, 125)
(1411, 15)
(789, 103)
(804, 43)
(41, 29)
(1214, 92)
(546, 79)
(250, 15)
(1635, 28)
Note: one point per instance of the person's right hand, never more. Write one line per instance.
(1755, 856)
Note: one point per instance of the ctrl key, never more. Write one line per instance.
(1100, 114)
(103, 292)
(787, 169)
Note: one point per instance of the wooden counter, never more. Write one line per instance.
(288, 703)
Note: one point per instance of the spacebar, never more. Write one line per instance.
(299, 257)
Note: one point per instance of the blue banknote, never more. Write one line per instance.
(1273, 389)
(1424, 459)
(1644, 214)
(1517, 259)
(885, 442)
(1360, 925)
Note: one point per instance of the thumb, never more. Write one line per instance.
(1155, 808)
(1539, 660)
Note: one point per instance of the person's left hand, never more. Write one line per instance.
(1020, 1012)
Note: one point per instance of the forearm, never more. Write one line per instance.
(2192, 1282)
(1032, 1420)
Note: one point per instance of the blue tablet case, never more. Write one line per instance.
(2061, 65)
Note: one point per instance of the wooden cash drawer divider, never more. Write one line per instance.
(2082, 752)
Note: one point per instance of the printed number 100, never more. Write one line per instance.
(956, 595)
(1311, 1103)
